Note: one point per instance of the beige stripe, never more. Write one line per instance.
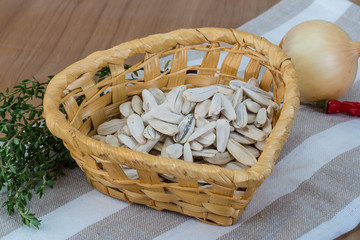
(67, 188)
(315, 201)
(280, 13)
(133, 222)
(350, 22)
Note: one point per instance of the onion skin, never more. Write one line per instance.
(325, 59)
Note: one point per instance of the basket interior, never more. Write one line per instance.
(90, 99)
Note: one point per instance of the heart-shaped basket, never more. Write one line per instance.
(89, 102)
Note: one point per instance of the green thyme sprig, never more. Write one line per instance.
(31, 157)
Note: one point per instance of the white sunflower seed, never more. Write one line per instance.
(222, 134)
(127, 141)
(174, 150)
(240, 153)
(136, 104)
(187, 153)
(202, 109)
(228, 109)
(186, 128)
(215, 106)
(199, 94)
(110, 127)
(200, 131)
(150, 133)
(158, 95)
(187, 107)
(252, 132)
(149, 101)
(260, 118)
(136, 127)
(220, 158)
(164, 127)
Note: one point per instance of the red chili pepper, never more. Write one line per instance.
(334, 106)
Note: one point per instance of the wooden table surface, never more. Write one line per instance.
(41, 37)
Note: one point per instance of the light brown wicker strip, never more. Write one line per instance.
(230, 190)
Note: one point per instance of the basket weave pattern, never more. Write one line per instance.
(231, 190)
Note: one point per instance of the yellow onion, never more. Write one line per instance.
(325, 59)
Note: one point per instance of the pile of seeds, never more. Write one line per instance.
(223, 125)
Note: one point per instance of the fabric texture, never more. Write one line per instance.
(313, 192)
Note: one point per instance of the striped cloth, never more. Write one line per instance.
(313, 192)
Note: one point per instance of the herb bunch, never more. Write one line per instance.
(31, 157)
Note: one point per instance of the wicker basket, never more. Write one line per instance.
(220, 204)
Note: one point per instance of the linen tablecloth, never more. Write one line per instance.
(313, 192)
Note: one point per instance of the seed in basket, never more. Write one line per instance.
(200, 131)
(222, 134)
(196, 146)
(260, 145)
(168, 141)
(228, 109)
(136, 104)
(145, 148)
(220, 158)
(162, 113)
(261, 118)
(215, 106)
(237, 97)
(186, 128)
(260, 99)
(241, 139)
(254, 82)
(199, 94)
(226, 90)
(236, 84)
(251, 117)
(99, 138)
(240, 153)
(112, 140)
(176, 99)
(174, 150)
(207, 139)
(201, 122)
(188, 157)
(236, 165)
(126, 109)
(149, 101)
(187, 107)
(164, 127)
(252, 106)
(111, 126)
(126, 130)
(267, 127)
(205, 153)
(202, 109)
(252, 132)
(150, 133)
(158, 146)
(254, 151)
(241, 115)
(136, 127)
(158, 94)
(129, 142)
(270, 112)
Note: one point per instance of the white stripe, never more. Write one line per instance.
(71, 218)
(298, 166)
(348, 218)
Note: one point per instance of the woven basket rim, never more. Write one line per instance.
(59, 126)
